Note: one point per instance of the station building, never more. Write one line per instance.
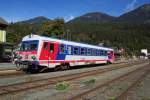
(5, 47)
(3, 25)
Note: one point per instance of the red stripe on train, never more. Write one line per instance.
(70, 61)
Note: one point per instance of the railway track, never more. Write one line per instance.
(10, 73)
(53, 80)
(4, 73)
(92, 92)
(6, 69)
(124, 94)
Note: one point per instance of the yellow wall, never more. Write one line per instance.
(2, 36)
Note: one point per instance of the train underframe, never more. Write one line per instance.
(34, 67)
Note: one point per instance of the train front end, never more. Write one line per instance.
(111, 57)
(27, 57)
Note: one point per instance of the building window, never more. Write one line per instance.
(45, 45)
(62, 49)
(76, 50)
(51, 47)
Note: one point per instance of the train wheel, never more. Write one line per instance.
(57, 68)
(32, 70)
(65, 66)
(62, 67)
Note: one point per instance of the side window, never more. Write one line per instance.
(105, 53)
(101, 52)
(94, 52)
(62, 49)
(88, 52)
(69, 50)
(82, 51)
(45, 45)
(51, 48)
(97, 52)
(85, 51)
(75, 51)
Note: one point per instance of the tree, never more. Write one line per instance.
(53, 28)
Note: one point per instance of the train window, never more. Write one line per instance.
(23, 47)
(62, 49)
(101, 52)
(105, 53)
(76, 50)
(82, 51)
(51, 47)
(33, 46)
(45, 45)
(85, 53)
(88, 52)
(94, 52)
(97, 52)
(69, 49)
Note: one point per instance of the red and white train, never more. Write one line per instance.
(38, 53)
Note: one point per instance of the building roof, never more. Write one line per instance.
(3, 22)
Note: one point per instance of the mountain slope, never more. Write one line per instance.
(139, 15)
(95, 28)
(37, 20)
(93, 17)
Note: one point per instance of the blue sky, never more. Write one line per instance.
(18, 10)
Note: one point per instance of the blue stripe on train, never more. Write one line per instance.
(61, 56)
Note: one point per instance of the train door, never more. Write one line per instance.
(44, 54)
(48, 53)
(53, 50)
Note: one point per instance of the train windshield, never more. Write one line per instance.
(29, 45)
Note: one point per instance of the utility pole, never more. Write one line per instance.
(67, 33)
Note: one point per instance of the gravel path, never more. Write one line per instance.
(49, 92)
(141, 91)
(30, 77)
(6, 66)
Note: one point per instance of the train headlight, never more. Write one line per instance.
(33, 57)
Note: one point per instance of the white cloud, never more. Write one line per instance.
(68, 18)
(130, 6)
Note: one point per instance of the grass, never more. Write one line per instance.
(62, 86)
(145, 98)
(112, 98)
(90, 81)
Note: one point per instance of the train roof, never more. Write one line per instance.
(37, 37)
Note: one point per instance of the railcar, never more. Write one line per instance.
(38, 53)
